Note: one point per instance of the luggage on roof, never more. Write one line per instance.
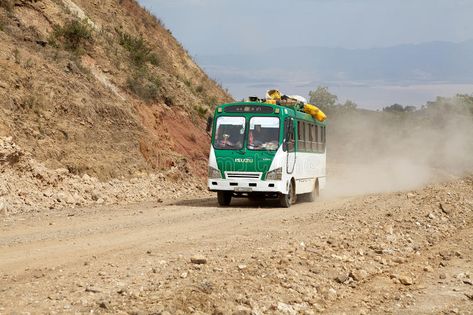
(275, 97)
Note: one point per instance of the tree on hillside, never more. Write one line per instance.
(322, 98)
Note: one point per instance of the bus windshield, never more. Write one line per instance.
(230, 133)
(264, 133)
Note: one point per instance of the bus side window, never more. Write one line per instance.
(289, 134)
(313, 137)
(300, 135)
(307, 136)
(324, 137)
(316, 141)
(319, 139)
(304, 135)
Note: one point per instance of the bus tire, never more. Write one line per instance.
(314, 194)
(286, 200)
(224, 198)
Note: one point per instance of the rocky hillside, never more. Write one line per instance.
(101, 88)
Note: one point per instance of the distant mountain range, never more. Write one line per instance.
(307, 67)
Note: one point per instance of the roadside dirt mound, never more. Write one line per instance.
(98, 87)
(27, 185)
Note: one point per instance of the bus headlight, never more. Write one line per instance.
(275, 174)
(214, 173)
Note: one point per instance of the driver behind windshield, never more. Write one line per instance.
(229, 137)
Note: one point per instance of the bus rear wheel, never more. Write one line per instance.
(224, 198)
(286, 200)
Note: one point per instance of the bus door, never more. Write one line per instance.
(289, 145)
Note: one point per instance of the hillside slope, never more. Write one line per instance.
(101, 87)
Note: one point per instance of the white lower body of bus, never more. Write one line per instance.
(290, 174)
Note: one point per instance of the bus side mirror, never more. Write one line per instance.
(209, 123)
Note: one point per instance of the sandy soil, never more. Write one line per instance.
(402, 253)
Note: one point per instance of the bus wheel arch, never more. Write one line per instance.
(286, 200)
(314, 194)
(294, 197)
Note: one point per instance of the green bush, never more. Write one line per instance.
(140, 52)
(29, 64)
(199, 89)
(202, 111)
(74, 35)
(153, 59)
(145, 88)
(17, 55)
(187, 82)
(212, 101)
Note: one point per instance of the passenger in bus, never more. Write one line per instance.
(263, 138)
(254, 137)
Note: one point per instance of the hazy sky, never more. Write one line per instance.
(240, 26)
(248, 27)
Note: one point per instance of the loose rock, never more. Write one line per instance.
(342, 278)
(198, 260)
(358, 275)
(406, 280)
(445, 209)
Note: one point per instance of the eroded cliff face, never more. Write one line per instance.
(101, 88)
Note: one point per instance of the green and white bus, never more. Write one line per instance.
(261, 150)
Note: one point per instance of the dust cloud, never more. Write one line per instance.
(372, 152)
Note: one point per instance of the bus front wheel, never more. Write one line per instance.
(286, 200)
(224, 198)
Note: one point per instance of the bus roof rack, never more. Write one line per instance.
(296, 102)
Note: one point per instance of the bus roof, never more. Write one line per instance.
(291, 110)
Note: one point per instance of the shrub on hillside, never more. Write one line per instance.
(212, 101)
(202, 111)
(199, 89)
(74, 35)
(145, 88)
(140, 52)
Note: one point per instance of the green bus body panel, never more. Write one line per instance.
(246, 160)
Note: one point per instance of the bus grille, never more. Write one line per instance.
(243, 175)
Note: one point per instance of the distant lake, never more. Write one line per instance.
(371, 96)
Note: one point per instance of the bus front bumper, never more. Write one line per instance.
(246, 186)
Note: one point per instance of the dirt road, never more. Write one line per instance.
(408, 253)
